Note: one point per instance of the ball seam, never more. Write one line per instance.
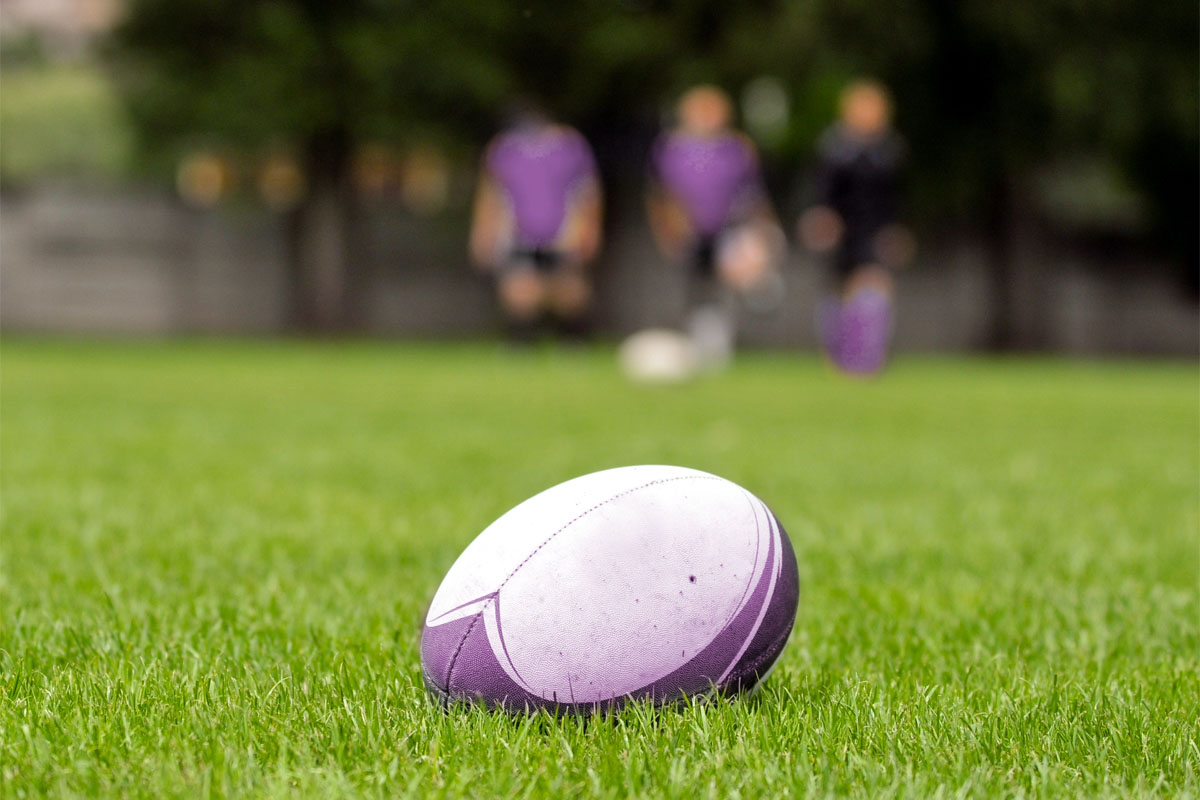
(466, 634)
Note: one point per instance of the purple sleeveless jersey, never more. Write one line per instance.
(539, 168)
(713, 178)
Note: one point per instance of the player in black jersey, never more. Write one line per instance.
(856, 219)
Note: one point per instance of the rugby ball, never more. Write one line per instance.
(649, 583)
(658, 355)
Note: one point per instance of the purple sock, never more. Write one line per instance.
(864, 331)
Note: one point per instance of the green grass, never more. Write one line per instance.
(216, 557)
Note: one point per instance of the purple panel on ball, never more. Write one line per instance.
(459, 663)
(439, 644)
(713, 666)
(776, 626)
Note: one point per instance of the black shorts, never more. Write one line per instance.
(856, 250)
(704, 257)
(542, 260)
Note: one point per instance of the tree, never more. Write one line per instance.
(316, 77)
(986, 91)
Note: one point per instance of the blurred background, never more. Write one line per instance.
(292, 166)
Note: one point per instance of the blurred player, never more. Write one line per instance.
(861, 158)
(537, 222)
(708, 207)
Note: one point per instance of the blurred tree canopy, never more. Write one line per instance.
(986, 91)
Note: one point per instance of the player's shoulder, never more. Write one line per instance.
(744, 143)
(491, 152)
(502, 141)
(669, 138)
(893, 149)
(577, 145)
(565, 134)
(666, 145)
(564, 130)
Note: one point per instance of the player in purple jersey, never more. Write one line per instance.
(855, 218)
(537, 221)
(708, 207)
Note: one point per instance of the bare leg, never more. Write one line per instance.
(868, 276)
(864, 321)
(522, 295)
(568, 293)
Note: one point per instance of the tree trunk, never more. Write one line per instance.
(320, 237)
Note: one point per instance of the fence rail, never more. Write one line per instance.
(93, 261)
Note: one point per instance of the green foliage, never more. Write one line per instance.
(264, 70)
(216, 557)
(64, 121)
(985, 90)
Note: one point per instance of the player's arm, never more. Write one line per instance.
(753, 249)
(488, 220)
(820, 227)
(894, 244)
(583, 229)
(668, 222)
(587, 220)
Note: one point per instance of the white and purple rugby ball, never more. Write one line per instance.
(646, 582)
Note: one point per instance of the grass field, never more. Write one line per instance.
(216, 558)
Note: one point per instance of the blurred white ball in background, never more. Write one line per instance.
(658, 355)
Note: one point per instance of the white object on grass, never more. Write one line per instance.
(658, 355)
